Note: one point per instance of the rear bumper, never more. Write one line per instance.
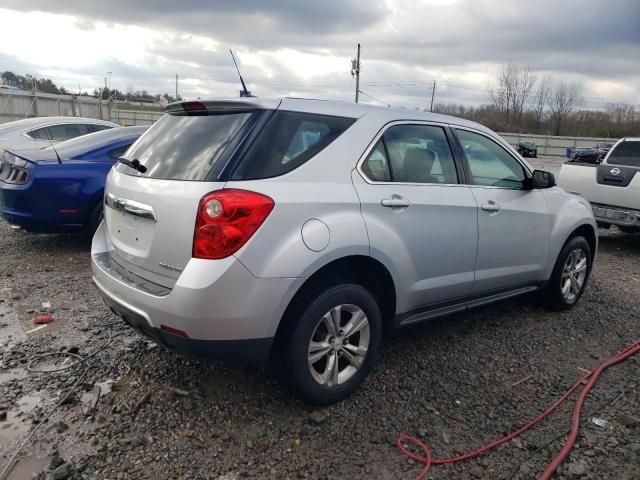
(254, 351)
(225, 311)
(624, 217)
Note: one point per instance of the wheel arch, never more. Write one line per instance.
(360, 269)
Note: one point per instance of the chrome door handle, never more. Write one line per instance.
(396, 201)
(490, 207)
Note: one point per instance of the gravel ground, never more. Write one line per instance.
(457, 383)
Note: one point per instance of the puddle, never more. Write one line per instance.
(18, 421)
(11, 332)
(7, 376)
(27, 467)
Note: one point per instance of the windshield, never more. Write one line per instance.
(184, 147)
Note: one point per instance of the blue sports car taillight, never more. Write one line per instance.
(12, 169)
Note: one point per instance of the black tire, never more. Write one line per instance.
(308, 314)
(553, 296)
(94, 219)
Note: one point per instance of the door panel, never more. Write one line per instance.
(513, 223)
(431, 243)
(513, 237)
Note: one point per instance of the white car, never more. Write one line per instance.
(612, 188)
(40, 132)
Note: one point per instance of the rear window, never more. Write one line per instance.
(287, 141)
(626, 153)
(184, 147)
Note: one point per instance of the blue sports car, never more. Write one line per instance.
(60, 188)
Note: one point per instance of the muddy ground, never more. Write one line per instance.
(457, 383)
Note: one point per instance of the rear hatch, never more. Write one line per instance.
(150, 216)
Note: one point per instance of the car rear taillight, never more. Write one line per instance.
(226, 220)
(12, 169)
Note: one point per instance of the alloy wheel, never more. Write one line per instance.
(338, 345)
(574, 274)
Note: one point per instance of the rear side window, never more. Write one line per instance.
(70, 130)
(184, 147)
(287, 141)
(412, 154)
(626, 153)
(94, 127)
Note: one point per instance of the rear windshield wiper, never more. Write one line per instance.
(135, 164)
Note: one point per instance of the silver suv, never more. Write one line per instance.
(300, 231)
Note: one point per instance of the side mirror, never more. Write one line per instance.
(540, 179)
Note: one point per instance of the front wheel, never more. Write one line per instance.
(334, 343)
(570, 275)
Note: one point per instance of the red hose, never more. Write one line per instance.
(571, 439)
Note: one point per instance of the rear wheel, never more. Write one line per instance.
(570, 275)
(334, 343)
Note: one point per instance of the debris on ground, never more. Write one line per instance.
(43, 318)
(600, 422)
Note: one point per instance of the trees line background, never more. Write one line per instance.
(522, 101)
(518, 101)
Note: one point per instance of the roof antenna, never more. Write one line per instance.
(51, 142)
(244, 92)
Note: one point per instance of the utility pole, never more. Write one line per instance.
(176, 87)
(355, 72)
(433, 93)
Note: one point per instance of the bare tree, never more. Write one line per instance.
(542, 96)
(509, 95)
(565, 100)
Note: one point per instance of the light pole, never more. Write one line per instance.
(109, 81)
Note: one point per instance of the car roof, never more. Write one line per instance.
(330, 107)
(35, 122)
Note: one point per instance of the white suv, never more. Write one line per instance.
(300, 231)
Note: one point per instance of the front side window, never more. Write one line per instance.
(287, 141)
(626, 153)
(412, 154)
(489, 163)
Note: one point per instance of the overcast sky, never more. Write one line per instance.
(303, 48)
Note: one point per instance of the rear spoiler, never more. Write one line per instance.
(222, 106)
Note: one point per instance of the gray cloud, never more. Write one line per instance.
(592, 40)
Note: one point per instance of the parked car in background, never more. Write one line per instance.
(528, 149)
(301, 230)
(585, 155)
(60, 189)
(612, 188)
(602, 149)
(40, 132)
